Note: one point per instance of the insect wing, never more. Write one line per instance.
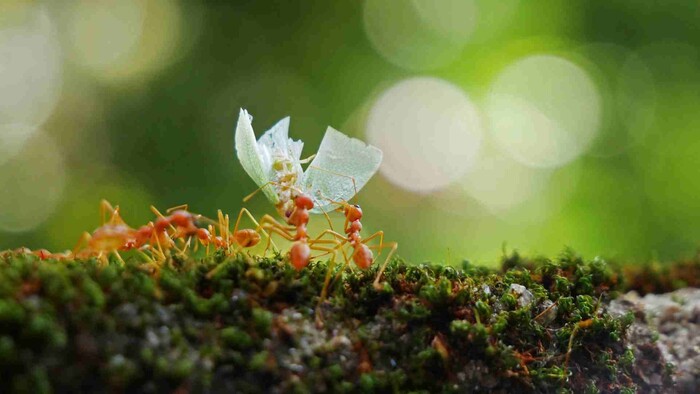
(250, 156)
(339, 161)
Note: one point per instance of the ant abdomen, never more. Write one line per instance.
(363, 256)
(299, 254)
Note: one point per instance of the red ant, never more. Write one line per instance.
(111, 237)
(298, 218)
(362, 254)
(42, 254)
(182, 225)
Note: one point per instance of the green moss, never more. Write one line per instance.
(244, 324)
(236, 338)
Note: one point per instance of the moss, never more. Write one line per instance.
(246, 324)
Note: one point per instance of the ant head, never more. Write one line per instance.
(353, 212)
(303, 201)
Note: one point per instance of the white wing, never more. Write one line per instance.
(339, 160)
(251, 157)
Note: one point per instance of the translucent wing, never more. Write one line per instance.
(339, 160)
(251, 157)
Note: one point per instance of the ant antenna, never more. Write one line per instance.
(251, 195)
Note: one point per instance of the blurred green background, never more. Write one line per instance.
(539, 124)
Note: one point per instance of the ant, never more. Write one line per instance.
(297, 220)
(42, 254)
(362, 254)
(111, 237)
(294, 207)
(183, 226)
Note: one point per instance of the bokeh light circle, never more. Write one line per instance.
(501, 183)
(13, 137)
(454, 20)
(118, 41)
(429, 131)
(419, 34)
(32, 182)
(30, 69)
(80, 211)
(102, 33)
(628, 96)
(544, 111)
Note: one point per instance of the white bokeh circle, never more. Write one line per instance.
(544, 111)
(429, 131)
(419, 34)
(501, 183)
(32, 182)
(125, 40)
(30, 69)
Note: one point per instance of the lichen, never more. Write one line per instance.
(247, 324)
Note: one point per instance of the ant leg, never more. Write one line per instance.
(335, 234)
(267, 221)
(84, 239)
(379, 234)
(186, 246)
(338, 245)
(308, 159)
(162, 258)
(146, 257)
(393, 246)
(346, 264)
(326, 281)
(119, 257)
(105, 207)
(280, 231)
(212, 234)
(381, 245)
(224, 229)
(114, 218)
(331, 265)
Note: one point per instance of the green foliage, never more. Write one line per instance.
(247, 325)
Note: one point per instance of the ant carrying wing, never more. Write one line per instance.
(339, 155)
(342, 166)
